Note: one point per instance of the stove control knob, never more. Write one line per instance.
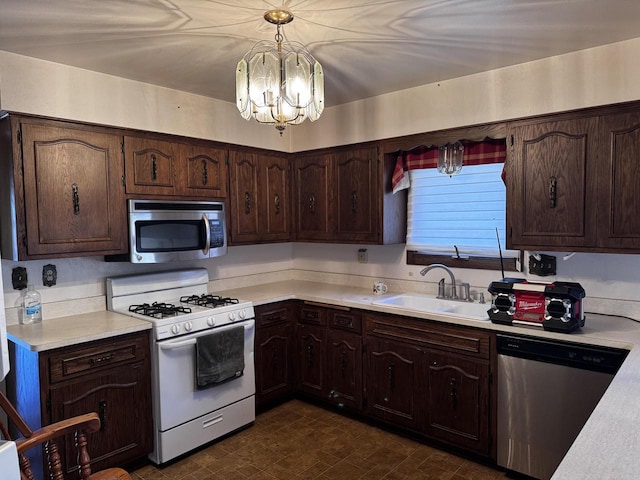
(232, 316)
(188, 326)
(175, 329)
(242, 314)
(211, 321)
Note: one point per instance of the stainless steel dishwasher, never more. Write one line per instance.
(546, 392)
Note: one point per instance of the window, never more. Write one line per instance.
(457, 220)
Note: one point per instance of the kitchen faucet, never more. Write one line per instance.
(423, 272)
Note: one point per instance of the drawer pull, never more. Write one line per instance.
(98, 360)
(344, 322)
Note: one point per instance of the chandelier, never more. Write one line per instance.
(279, 84)
(450, 158)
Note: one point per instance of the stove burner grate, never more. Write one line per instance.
(159, 310)
(207, 300)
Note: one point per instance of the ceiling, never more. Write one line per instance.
(366, 48)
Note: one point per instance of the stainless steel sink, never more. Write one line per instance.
(427, 304)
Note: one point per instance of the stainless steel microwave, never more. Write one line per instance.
(167, 231)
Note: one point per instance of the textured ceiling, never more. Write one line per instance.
(365, 47)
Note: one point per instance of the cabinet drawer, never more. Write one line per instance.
(94, 358)
(312, 314)
(350, 321)
(430, 335)
(273, 314)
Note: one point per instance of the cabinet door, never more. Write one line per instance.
(618, 221)
(458, 406)
(344, 369)
(274, 185)
(395, 383)
(149, 166)
(551, 184)
(312, 341)
(202, 172)
(120, 396)
(74, 199)
(274, 340)
(358, 197)
(244, 213)
(312, 180)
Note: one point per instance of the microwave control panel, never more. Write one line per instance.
(217, 234)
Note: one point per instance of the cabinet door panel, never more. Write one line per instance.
(313, 182)
(458, 407)
(74, 201)
(274, 172)
(312, 341)
(358, 196)
(619, 224)
(245, 218)
(394, 384)
(551, 190)
(206, 172)
(125, 430)
(149, 166)
(273, 362)
(345, 369)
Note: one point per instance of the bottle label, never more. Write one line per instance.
(32, 309)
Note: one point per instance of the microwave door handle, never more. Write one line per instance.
(207, 229)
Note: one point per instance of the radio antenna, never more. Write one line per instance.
(500, 250)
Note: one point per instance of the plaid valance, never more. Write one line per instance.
(475, 153)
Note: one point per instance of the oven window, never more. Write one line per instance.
(170, 236)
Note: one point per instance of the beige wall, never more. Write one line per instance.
(597, 76)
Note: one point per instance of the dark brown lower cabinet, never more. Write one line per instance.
(273, 353)
(458, 406)
(394, 383)
(429, 378)
(111, 377)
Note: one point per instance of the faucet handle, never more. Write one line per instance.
(466, 296)
(441, 293)
(481, 300)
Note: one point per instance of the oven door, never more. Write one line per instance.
(177, 399)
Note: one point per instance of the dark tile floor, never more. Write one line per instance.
(297, 441)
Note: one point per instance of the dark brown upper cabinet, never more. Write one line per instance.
(62, 190)
(162, 167)
(573, 181)
(259, 197)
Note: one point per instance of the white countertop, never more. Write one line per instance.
(607, 445)
(605, 448)
(65, 331)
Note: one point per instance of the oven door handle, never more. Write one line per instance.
(174, 345)
(207, 229)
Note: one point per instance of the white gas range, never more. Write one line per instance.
(203, 376)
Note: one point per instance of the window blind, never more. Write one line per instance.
(462, 211)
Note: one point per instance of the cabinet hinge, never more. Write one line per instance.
(226, 158)
(490, 378)
(122, 146)
(19, 139)
(511, 140)
(47, 404)
(124, 181)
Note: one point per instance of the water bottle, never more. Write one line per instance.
(32, 306)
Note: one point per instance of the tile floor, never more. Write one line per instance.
(297, 441)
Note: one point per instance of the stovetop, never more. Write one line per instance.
(176, 303)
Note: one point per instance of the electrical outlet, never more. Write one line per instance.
(19, 278)
(363, 257)
(49, 275)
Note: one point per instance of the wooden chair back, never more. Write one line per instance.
(80, 426)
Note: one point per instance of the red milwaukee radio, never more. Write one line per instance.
(555, 306)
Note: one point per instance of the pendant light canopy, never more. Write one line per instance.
(279, 83)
